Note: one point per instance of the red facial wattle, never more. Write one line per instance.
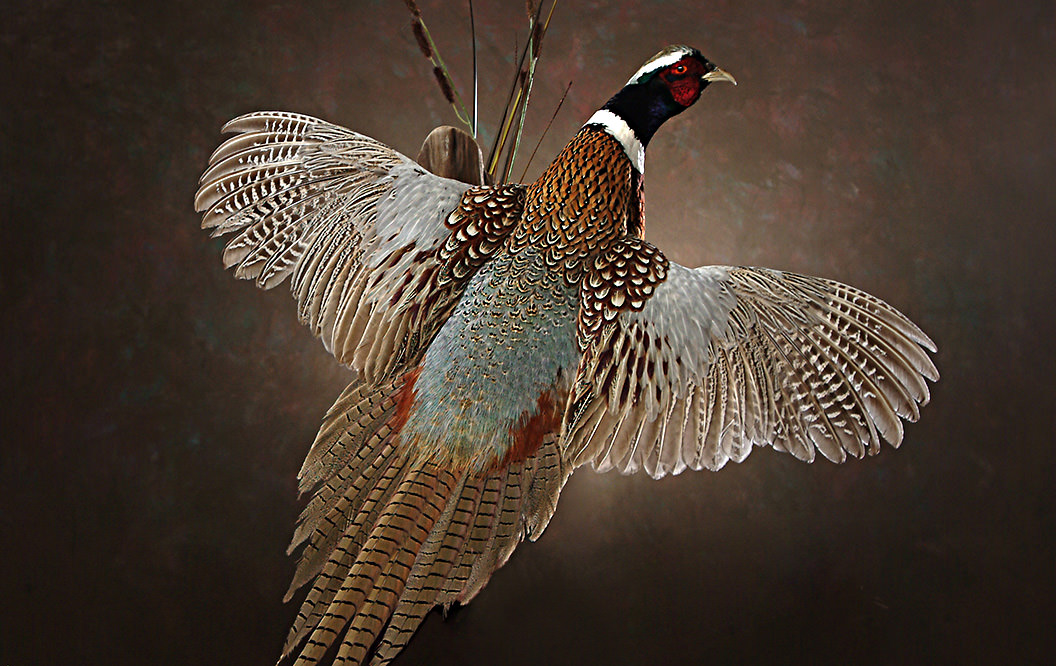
(686, 91)
(683, 80)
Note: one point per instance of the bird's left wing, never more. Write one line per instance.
(693, 367)
(377, 248)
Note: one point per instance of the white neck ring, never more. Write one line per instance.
(618, 127)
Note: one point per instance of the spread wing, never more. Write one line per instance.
(721, 359)
(377, 249)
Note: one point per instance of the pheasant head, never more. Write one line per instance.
(666, 85)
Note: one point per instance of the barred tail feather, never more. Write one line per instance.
(487, 517)
(390, 534)
(380, 568)
(330, 580)
(441, 551)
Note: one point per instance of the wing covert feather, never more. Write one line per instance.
(722, 359)
(374, 245)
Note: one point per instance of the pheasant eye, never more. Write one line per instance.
(680, 68)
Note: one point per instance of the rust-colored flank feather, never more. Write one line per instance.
(531, 429)
(404, 400)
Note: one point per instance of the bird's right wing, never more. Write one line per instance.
(377, 248)
(690, 368)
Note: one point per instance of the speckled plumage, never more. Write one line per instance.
(505, 336)
(512, 334)
(582, 202)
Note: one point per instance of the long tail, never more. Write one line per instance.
(389, 535)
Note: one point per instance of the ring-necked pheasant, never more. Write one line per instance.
(505, 336)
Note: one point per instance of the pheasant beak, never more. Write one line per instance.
(719, 75)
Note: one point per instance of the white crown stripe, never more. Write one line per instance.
(659, 63)
(619, 128)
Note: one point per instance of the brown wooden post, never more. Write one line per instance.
(452, 153)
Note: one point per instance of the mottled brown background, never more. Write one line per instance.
(155, 410)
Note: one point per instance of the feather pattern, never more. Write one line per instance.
(413, 532)
(722, 359)
(376, 248)
(503, 336)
